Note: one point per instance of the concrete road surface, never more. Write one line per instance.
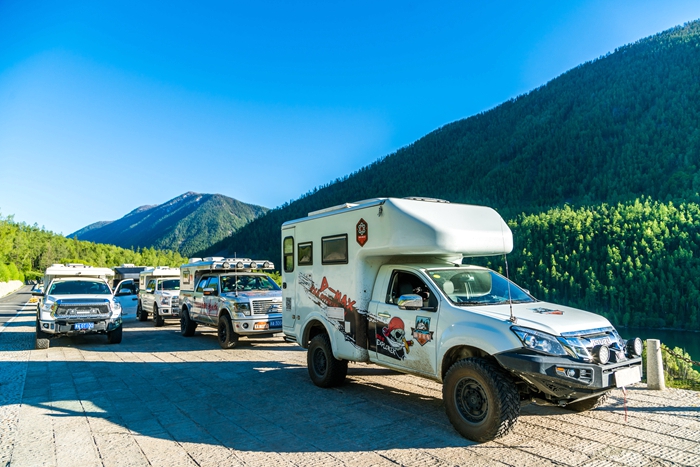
(160, 399)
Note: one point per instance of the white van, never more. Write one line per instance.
(383, 281)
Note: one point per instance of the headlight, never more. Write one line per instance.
(243, 308)
(116, 306)
(539, 341)
(165, 300)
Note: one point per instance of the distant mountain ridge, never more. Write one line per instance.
(186, 224)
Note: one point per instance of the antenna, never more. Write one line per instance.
(510, 297)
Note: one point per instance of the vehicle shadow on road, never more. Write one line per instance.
(263, 406)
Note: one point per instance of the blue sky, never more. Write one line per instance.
(106, 106)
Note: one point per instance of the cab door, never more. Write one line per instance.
(149, 297)
(198, 309)
(211, 300)
(404, 335)
(126, 294)
(289, 281)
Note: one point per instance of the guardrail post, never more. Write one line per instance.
(655, 366)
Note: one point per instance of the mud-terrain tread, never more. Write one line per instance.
(231, 337)
(336, 370)
(187, 326)
(502, 417)
(588, 404)
(42, 338)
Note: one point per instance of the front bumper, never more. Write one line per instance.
(64, 327)
(254, 325)
(169, 312)
(565, 379)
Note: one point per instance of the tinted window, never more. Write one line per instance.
(334, 250)
(288, 254)
(170, 284)
(306, 256)
(202, 284)
(79, 287)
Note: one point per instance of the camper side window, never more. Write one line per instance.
(405, 283)
(288, 254)
(334, 250)
(306, 254)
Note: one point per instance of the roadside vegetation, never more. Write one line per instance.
(26, 251)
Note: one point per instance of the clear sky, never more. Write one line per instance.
(107, 106)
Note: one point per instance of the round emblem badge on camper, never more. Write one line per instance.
(361, 232)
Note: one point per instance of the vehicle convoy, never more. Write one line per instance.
(382, 281)
(77, 299)
(229, 295)
(159, 294)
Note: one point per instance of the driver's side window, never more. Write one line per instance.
(151, 284)
(202, 284)
(405, 283)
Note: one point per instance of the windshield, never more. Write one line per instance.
(244, 283)
(477, 287)
(79, 288)
(169, 284)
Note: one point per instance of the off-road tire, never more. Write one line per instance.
(157, 318)
(142, 314)
(115, 336)
(42, 338)
(588, 404)
(187, 326)
(227, 338)
(481, 401)
(325, 370)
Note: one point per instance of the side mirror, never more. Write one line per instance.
(37, 293)
(410, 302)
(123, 292)
(149, 290)
(209, 291)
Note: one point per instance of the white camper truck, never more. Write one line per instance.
(159, 294)
(76, 300)
(229, 295)
(382, 281)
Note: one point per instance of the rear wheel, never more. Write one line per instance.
(588, 404)
(42, 338)
(115, 336)
(157, 318)
(324, 369)
(187, 326)
(142, 314)
(482, 403)
(227, 338)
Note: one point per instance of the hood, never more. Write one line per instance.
(79, 297)
(171, 293)
(269, 294)
(546, 317)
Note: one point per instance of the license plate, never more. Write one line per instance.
(627, 376)
(276, 323)
(260, 326)
(600, 341)
(83, 326)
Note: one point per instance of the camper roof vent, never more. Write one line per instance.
(333, 208)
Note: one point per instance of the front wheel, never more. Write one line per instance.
(157, 318)
(42, 338)
(482, 403)
(588, 404)
(115, 336)
(324, 369)
(227, 338)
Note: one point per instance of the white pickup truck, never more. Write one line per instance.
(383, 281)
(159, 294)
(77, 300)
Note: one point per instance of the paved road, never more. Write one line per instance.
(13, 303)
(159, 399)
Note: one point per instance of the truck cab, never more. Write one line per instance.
(384, 281)
(232, 296)
(76, 300)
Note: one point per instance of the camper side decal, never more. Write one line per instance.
(339, 308)
(391, 341)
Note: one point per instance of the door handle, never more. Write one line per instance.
(384, 315)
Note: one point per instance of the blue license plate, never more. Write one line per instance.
(83, 326)
(276, 323)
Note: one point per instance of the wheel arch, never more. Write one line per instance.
(460, 352)
(311, 330)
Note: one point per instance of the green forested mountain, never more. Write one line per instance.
(188, 223)
(26, 251)
(622, 128)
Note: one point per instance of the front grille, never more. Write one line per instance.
(264, 307)
(591, 338)
(174, 302)
(82, 308)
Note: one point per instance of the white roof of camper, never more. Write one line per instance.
(420, 226)
(161, 271)
(77, 270)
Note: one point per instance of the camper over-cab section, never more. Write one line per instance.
(383, 281)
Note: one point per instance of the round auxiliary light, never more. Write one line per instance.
(239, 265)
(602, 354)
(226, 265)
(253, 265)
(267, 265)
(635, 347)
